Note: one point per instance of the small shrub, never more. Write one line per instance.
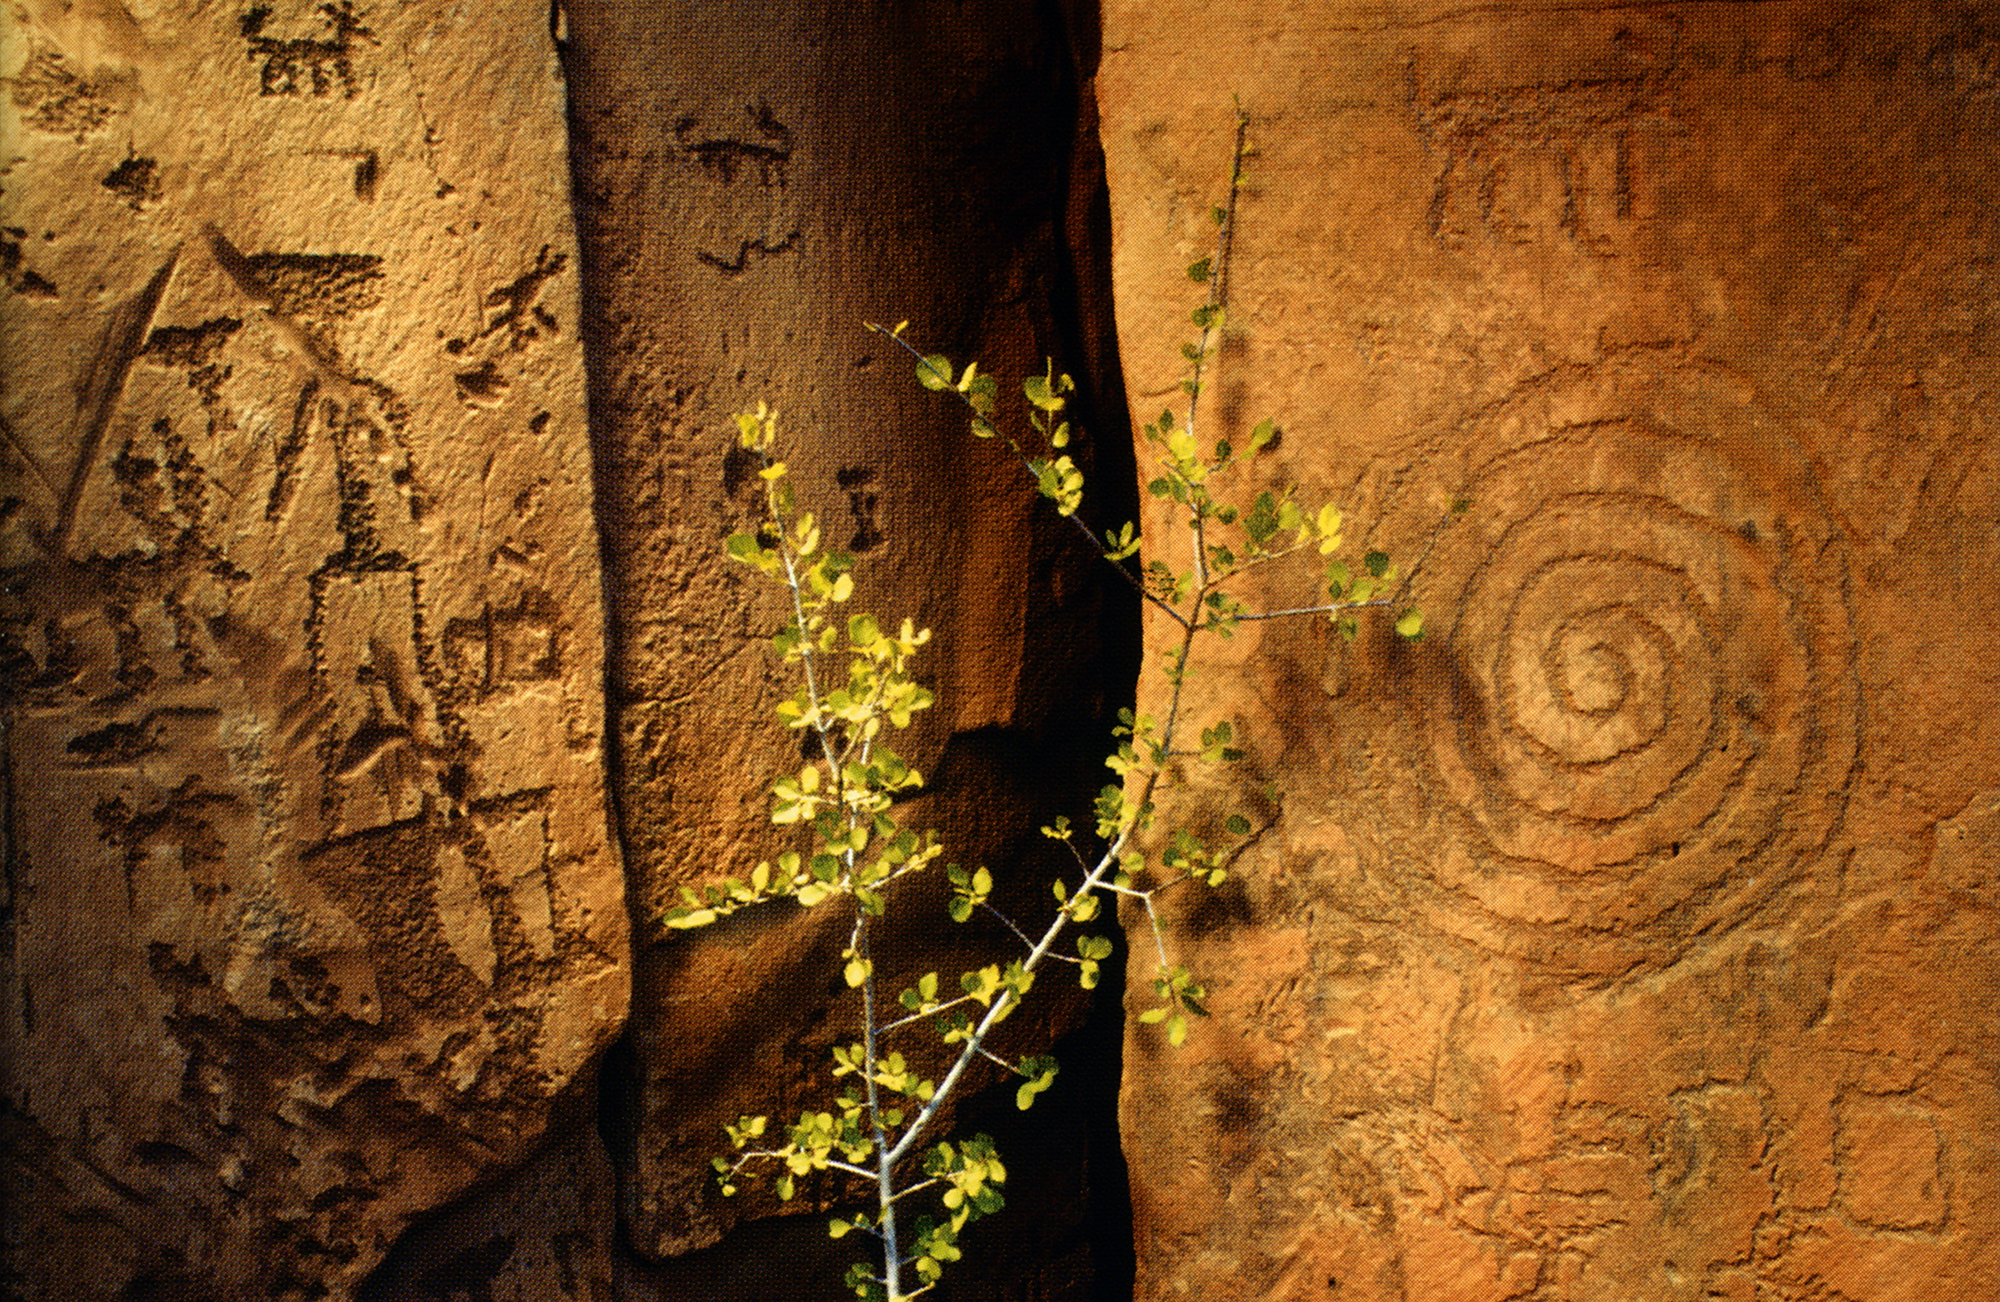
(856, 688)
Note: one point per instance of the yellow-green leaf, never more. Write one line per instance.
(934, 372)
(1328, 528)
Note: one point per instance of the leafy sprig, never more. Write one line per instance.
(857, 685)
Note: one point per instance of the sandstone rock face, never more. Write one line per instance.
(752, 186)
(311, 906)
(1633, 935)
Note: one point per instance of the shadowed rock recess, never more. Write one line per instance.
(752, 185)
(373, 680)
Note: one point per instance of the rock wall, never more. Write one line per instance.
(551, 1228)
(312, 917)
(311, 910)
(1633, 935)
(752, 186)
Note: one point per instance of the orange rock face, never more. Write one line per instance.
(1633, 935)
(311, 906)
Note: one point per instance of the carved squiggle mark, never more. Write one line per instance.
(119, 743)
(367, 172)
(512, 308)
(762, 248)
(184, 817)
(136, 181)
(55, 100)
(35, 285)
(25, 281)
(725, 156)
(163, 488)
(195, 350)
(367, 163)
(482, 386)
(862, 503)
(430, 136)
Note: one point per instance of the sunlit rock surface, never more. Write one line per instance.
(1632, 936)
(311, 907)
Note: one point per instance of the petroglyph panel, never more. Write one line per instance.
(311, 912)
(1627, 938)
(1653, 719)
(742, 155)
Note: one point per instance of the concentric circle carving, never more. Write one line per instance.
(1649, 726)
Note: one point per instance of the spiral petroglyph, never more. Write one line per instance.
(1651, 720)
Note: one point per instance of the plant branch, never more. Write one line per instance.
(1333, 608)
(1137, 584)
(1026, 939)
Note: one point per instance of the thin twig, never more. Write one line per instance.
(1026, 939)
(922, 1013)
(1334, 608)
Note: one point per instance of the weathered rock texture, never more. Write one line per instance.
(550, 1230)
(311, 909)
(753, 184)
(1634, 935)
